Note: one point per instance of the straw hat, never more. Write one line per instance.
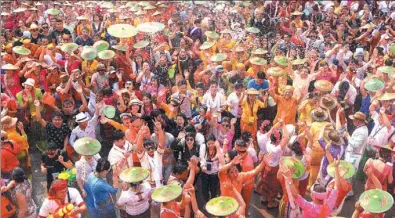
(134, 175)
(87, 146)
(318, 115)
(253, 30)
(376, 201)
(135, 101)
(207, 45)
(119, 47)
(9, 67)
(374, 84)
(259, 51)
(296, 13)
(222, 206)
(33, 26)
(358, 116)
(218, 57)
(328, 101)
(7, 122)
(386, 97)
(258, 61)
(166, 193)
(334, 137)
(211, 35)
(323, 85)
(29, 82)
(281, 60)
(252, 91)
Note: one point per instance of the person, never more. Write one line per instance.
(21, 194)
(101, 190)
(210, 166)
(9, 160)
(59, 195)
(135, 196)
(86, 127)
(54, 161)
(381, 168)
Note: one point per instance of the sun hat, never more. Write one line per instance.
(101, 45)
(109, 111)
(299, 61)
(296, 13)
(33, 26)
(252, 91)
(259, 51)
(88, 53)
(21, 50)
(296, 166)
(386, 97)
(134, 175)
(222, 206)
(207, 45)
(69, 47)
(358, 116)
(119, 47)
(125, 114)
(346, 169)
(149, 7)
(53, 11)
(319, 114)
(140, 12)
(219, 57)
(252, 30)
(141, 44)
(135, 101)
(386, 69)
(386, 147)
(166, 193)
(376, 201)
(211, 35)
(29, 82)
(156, 13)
(374, 84)
(106, 54)
(275, 71)
(334, 137)
(258, 61)
(87, 146)
(328, 101)
(281, 60)
(7, 122)
(81, 117)
(323, 85)
(9, 67)
(227, 31)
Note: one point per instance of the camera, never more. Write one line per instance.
(209, 165)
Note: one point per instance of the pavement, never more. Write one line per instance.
(257, 209)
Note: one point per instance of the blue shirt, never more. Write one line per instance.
(100, 189)
(253, 84)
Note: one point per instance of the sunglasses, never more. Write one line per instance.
(153, 147)
(190, 139)
(45, 27)
(225, 125)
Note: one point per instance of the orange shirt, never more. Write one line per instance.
(286, 106)
(13, 135)
(226, 182)
(7, 58)
(167, 213)
(9, 161)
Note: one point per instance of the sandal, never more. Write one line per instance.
(273, 205)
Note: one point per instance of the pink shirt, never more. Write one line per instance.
(312, 210)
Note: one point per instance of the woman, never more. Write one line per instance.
(21, 194)
(210, 167)
(38, 74)
(10, 81)
(89, 67)
(134, 107)
(145, 77)
(53, 77)
(226, 130)
(201, 122)
(85, 166)
(157, 90)
(9, 152)
(101, 190)
(137, 64)
(97, 24)
(250, 106)
(381, 168)
(147, 106)
(188, 148)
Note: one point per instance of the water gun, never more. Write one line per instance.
(63, 212)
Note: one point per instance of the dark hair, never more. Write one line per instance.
(190, 128)
(148, 142)
(232, 154)
(240, 143)
(295, 147)
(385, 154)
(388, 62)
(213, 82)
(18, 175)
(246, 136)
(210, 137)
(51, 146)
(180, 167)
(182, 82)
(261, 75)
(118, 135)
(197, 21)
(148, 95)
(190, 135)
(319, 188)
(57, 114)
(225, 120)
(102, 164)
(273, 138)
(156, 113)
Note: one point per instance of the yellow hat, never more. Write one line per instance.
(50, 45)
(290, 88)
(26, 41)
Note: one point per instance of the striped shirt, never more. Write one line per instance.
(135, 206)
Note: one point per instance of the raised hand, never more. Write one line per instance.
(36, 103)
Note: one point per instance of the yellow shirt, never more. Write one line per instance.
(21, 140)
(250, 114)
(304, 113)
(91, 70)
(82, 26)
(315, 131)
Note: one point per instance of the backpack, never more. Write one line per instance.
(7, 208)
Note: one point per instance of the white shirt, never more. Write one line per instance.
(380, 134)
(299, 83)
(132, 201)
(262, 139)
(213, 105)
(276, 154)
(50, 206)
(234, 100)
(89, 131)
(351, 93)
(153, 165)
(357, 141)
(116, 154)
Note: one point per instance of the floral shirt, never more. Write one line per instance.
(312, 210)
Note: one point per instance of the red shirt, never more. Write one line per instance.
(8, 157)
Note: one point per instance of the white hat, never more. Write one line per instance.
(81, 117)
(359, 52)
(393, 15)
(29, 82)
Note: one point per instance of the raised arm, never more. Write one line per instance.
(38, 114)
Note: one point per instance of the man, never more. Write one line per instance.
(259, 83)
(59, 195)
(54, 161)
(195, 32)
(86, 127)
(186, 98)
(119, 156)
(100, 78)
(35, 35)
(286, 104)
(84, 39)
(57, 33)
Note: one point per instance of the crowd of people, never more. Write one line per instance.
(189, 108)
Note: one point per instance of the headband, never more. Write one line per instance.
(319, 196)
(59, 186)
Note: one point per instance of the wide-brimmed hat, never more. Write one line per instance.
(222, 206)
(334, 137)
(299, 61)
(259, 51)
(240, 49)
(218, 57)
(33, 26)
(69, 47)
(125, 114)
(319, 114)
(141, 44)
(87, 146)
(53, 11)
(358, 116)
(386, 97)
(21, 50)
(296, 13)
(298, 169)
(323, 85)
(252, 91)
(281, 60)
(346, 169)
(29, 82)
(81, 117)
(374, 84)
(386, 69)
(258, 61)
(88, 53)
(7, 122)
(252, 30)
(211, 35)
(386, 147)
(376, 201)
(207, 45)
(328, 101)
(101, 45)
(175, 99)
(9, 67)
(166, 193)
(109, 111)
(134, 175)
(227, 31)
(106, 54)
(140, 12)
(275, 71)
(119, 47)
